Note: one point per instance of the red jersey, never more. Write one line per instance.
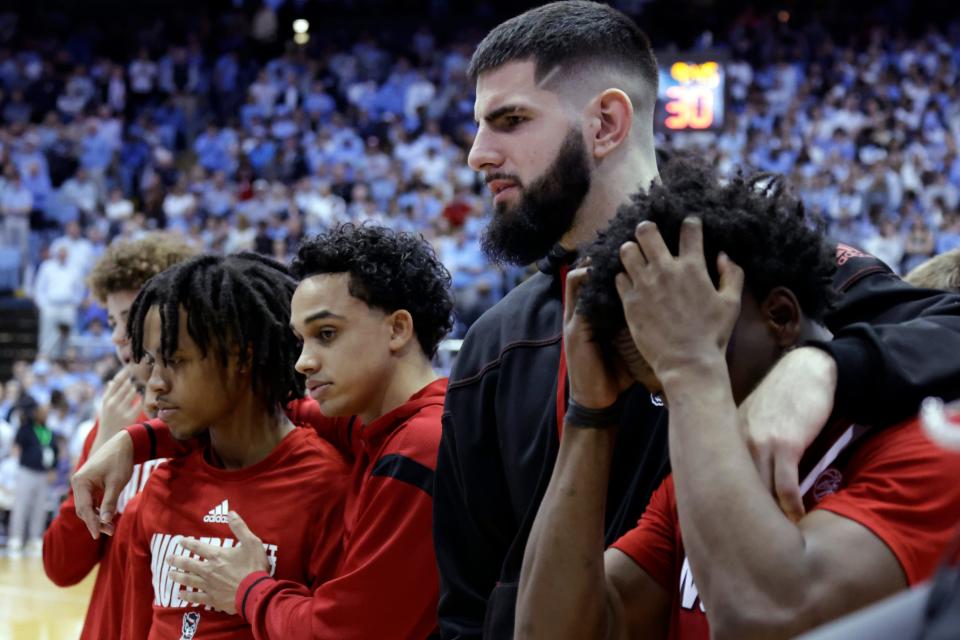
(292, 500)
(69, 553)
(895, 482)
(386, 585)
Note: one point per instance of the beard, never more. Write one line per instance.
(547, 209)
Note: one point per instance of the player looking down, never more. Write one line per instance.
(214, 332)
(68, 553)
(701, 308)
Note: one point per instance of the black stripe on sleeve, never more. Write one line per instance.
(243, 603)
(153, 440)
(406, 470)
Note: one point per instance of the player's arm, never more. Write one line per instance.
(69, 553)
(893, 343)
(568, 587)
(386, 585)
(564, 588)
(759, 574)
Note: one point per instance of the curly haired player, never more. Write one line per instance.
(371, 309)
(697, 290)
(68, 553)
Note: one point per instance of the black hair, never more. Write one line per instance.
(389, 270)
(238, 303)
(568, 33)
(754, 220)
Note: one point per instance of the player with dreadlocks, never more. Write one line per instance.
(68, 553)
(215, 332)
(696, 290)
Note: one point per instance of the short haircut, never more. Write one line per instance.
(235, 304)
(755, 221)
(389, 270)
(939, 272)
(570, 36)
(127, 265)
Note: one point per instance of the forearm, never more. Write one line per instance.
(747, 557)
(69, 553)
(562, 590)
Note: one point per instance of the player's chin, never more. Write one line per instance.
(184, 431)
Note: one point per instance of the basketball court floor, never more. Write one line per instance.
(32, 608)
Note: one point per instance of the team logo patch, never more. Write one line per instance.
(191, 620)
(827, 483)
(845, 252)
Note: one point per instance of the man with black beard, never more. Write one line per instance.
(565, 101)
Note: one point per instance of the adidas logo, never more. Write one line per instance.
(219, 514)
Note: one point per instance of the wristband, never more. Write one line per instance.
(585, 418)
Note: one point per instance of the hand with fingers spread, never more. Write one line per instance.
(217, 575)
(593, 382)
(102, 479)
(120, 407)
(675, 313)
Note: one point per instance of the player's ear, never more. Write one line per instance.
(611, 116)
(783, 316)
(401, 330)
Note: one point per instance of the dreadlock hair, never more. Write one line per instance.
(389, 270)
(754, 220)
(234, 304)
(127, 265)
(570, 37)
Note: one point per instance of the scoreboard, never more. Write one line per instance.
(691, 95)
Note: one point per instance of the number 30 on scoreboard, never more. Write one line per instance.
(692, 96)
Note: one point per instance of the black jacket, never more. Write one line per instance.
(894, 345)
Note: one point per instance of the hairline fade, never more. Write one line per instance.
(567, 36)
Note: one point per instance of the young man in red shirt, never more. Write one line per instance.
(372, 307)
(713, 546)
(68, 553)
(215, 333)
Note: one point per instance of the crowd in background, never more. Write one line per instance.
(239, 146)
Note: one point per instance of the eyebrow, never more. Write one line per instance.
(320, 315)
(505, 110)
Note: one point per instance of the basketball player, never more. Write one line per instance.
(68, 553)
(700, 310)
(565, 97)
(214, 332)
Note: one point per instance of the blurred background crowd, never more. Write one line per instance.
(240, 129)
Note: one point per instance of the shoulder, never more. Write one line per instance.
(309, 453)
(530, 316)
(418, 438)
(853, 265)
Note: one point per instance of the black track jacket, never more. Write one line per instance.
(894, 345)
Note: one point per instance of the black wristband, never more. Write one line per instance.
(586, 418)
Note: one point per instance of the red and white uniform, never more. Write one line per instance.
(70, 553)
(292, 500)
(894, 482)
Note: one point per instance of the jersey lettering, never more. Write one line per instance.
(165, 545)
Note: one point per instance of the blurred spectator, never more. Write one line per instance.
(58, 292)
(37, 453)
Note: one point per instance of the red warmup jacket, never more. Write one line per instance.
(386, 584)
(69, 553)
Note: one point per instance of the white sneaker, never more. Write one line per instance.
(14, 548)
(34, 548)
